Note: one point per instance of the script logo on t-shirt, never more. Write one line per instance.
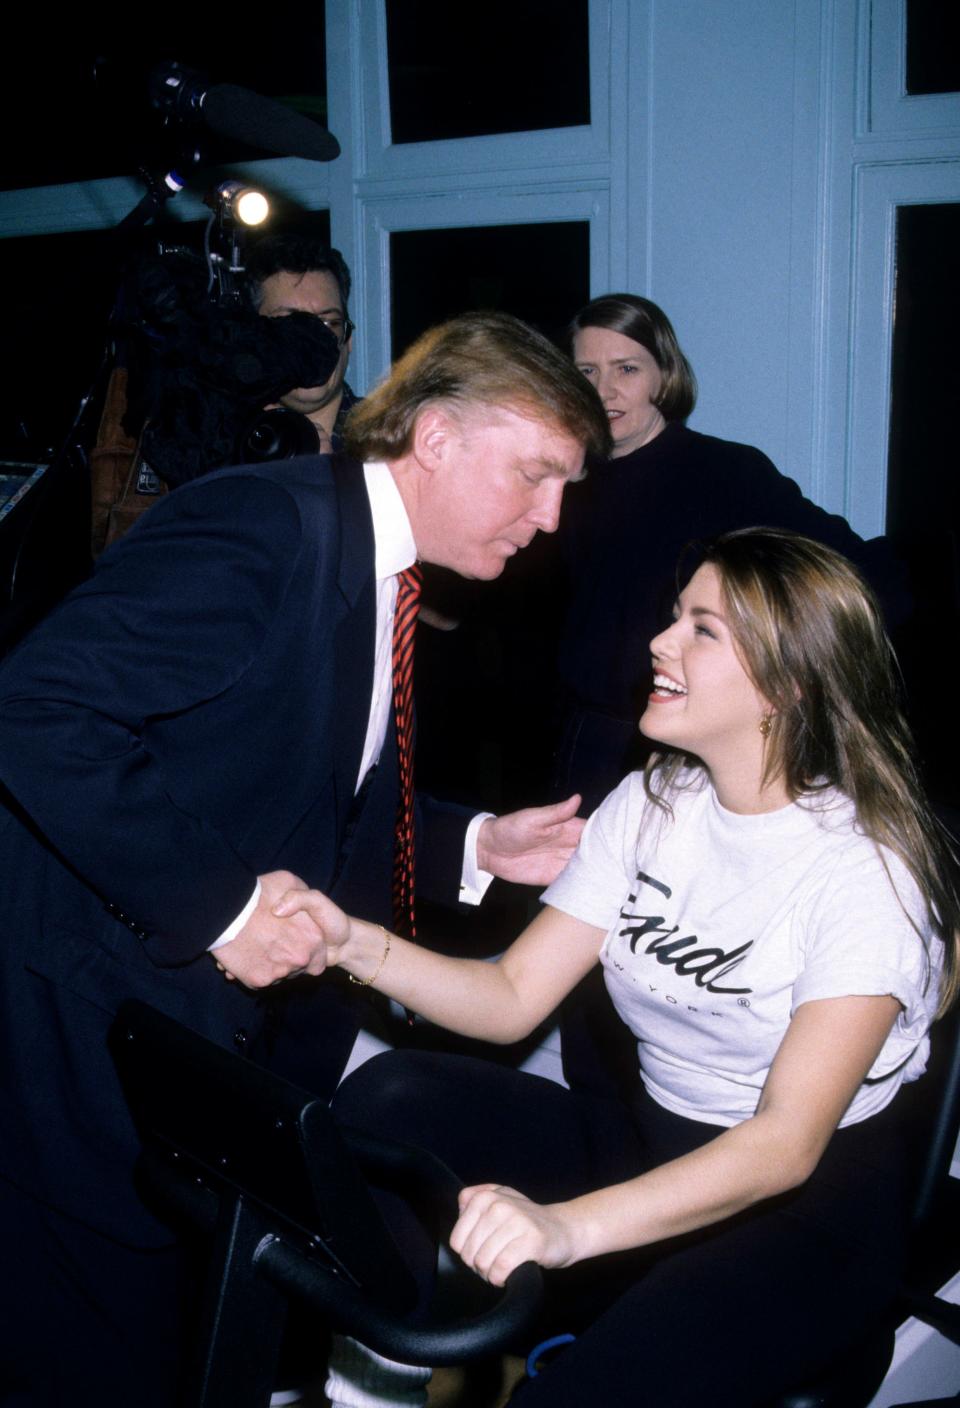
(706, 966)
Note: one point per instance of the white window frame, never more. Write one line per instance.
(890, 108)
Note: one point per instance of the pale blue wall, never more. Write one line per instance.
(721, 211)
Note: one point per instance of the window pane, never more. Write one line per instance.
(485, 689)
(473, 70)
(923, 504)
(933, 46)
(922, 482)
(80, 109)
(538, 272)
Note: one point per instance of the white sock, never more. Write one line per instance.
(357, 1377)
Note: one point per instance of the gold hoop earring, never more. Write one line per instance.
(766, 724)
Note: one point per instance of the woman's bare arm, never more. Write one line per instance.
(501, 1001)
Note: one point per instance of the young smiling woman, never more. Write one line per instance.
(704, 702)
(776, 915)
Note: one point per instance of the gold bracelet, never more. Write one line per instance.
(367, 982)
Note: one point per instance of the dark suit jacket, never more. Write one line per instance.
(191, 717)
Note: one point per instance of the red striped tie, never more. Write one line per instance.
(404, 632)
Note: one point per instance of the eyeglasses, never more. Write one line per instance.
(340, 327)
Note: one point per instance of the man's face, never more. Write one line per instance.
(491, 479)
(316, 293)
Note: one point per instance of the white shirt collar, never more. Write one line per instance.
(394, 547)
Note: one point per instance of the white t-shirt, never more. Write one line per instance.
(719, 926)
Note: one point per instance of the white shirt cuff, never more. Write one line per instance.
(474, 882)
(232, 930)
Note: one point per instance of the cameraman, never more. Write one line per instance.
(297, 273)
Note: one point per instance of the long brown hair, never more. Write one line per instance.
(813, 642)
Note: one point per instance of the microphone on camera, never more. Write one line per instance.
(240, 114)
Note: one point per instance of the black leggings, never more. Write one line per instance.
(729, 1315)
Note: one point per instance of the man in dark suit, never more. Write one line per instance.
(201, 725)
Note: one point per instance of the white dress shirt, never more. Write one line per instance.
(394, 550)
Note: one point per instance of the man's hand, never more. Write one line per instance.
(269, 948)
(328, 919)
(499, 1229)
(530, 847)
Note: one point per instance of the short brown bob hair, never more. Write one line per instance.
(490, 359)
(646, 323)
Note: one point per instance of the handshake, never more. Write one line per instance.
(294, 929)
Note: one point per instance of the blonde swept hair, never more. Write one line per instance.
(478, 359)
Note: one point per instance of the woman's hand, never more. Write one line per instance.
(499, 1229)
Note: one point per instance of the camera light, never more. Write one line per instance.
(235, 201)
(251, 207)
